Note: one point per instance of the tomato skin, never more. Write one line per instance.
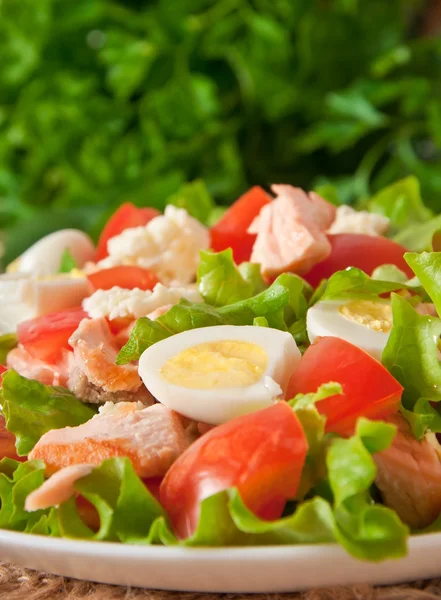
(126, 216)
(366, 252)
(7, 443)
(369, 390)
(262, 454)
(46, 337)
(231, 230)
(126, 277)
(3, 369)
(153, 484)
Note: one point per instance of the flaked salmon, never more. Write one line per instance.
(57, 489)
(26, 365)
(409, 477)
(291, 232)
(95, 351)
(152, 438)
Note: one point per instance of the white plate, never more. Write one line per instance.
(263, 569)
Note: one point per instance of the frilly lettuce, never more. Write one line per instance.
(419, 237)
(31, 409)
(427, 268)
(411, 353)
(196, 199)
(17, 481)
(127, 510)
(283, 305)
(354, 283)
(219, 280)
(401, 203)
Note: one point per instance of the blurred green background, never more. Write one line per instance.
(105, 101)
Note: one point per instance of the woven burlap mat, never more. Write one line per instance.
(22, 584)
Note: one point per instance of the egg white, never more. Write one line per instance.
(220, 404)
(325, 319)
(24, 297)
(43, 258)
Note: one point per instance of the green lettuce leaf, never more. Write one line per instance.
(354, 283)
(411, 353)
(401, 203)
(31, 409)
(313, 424)
(67, 263)
(283, 304)
(260, 322)
(196, 200)
(251, 273)
(389, 273)
(423, 418)
(17, 481)
(311, 523)
(418, 238)
(427, 268)
(126, 509)
(219, 280)
(8, 341)
(367, 530)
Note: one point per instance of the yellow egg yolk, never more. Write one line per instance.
(222, 364)
(374, 315)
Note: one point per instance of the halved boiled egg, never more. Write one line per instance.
(217, 373)
(364, 323)
(43, 258)
(24, 297)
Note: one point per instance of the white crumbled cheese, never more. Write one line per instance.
(121, 303)
(169, 245)
(119, 408)
(348, 220)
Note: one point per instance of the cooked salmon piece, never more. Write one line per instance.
(152, 438)
(426, 309)
(26, 365)
(291, 232)
(409, 477)
(86, 391)
(95, 351)
(159, 311)
(57, 489)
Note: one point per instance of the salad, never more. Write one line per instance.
(273, 378)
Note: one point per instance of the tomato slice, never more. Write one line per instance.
(7, 443)
(3, 369)
(126, 277)
(231, 230)
(366, 252)
(262, 454)
(128, 215)
(369, 390)
(46, 337)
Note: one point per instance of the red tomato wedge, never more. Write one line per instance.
(126, 277)
(369, 390)
(366, 252)
(46, 337)
(231, 230)
(262, 454)
(7, 443)
(128, 215)
(3, 369)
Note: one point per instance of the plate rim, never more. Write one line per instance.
(224, 553)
